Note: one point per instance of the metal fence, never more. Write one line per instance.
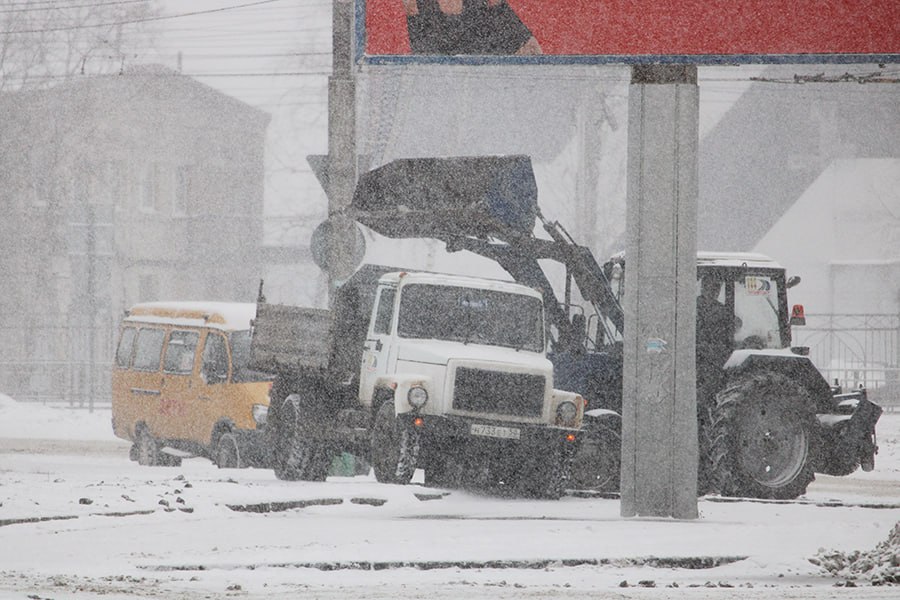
(856, 350)
(55, 364)
(850, 349)
(57, 381)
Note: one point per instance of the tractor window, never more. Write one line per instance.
(756, 306)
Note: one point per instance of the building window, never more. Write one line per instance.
(183, 182)
(150, 187)
(148, 288)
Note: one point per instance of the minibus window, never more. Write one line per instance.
(240, 349)
(148, 349)
(180, 352)
(215, 359)
(126, 347)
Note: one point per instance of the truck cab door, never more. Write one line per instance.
(376, 349)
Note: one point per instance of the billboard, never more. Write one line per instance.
(628, 31)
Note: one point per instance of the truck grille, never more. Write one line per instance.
(479, 390)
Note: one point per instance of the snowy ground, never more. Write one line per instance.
(78, 520)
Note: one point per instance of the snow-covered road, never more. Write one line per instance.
(78, 520)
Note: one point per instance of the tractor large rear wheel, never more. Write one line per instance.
(764, 436)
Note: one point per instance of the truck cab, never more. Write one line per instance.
(414, 370)
(461, 362)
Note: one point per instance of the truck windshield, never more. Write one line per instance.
(474, 315)
(756, 306)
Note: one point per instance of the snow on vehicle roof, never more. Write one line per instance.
(229, 316)
(724, 259)
(461, 281)
(736, 259)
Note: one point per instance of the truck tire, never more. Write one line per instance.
(598, 461)
(764, 438)
(297, 455)
(395, 449)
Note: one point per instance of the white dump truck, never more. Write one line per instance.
(409, 369)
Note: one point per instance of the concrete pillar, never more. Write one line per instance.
(659, 422)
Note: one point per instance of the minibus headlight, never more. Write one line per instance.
(260, 413)
(417, 397)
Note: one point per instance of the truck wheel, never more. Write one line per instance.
(598, 461)
(395, 449)
(547, 475)
(763, 438)
(297, 456)
(228, 454)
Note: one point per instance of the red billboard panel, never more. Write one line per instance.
(632, 30)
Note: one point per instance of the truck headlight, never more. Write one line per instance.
(417, 397)
(260, 413)
(566, 413)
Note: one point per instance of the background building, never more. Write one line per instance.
(118, 189)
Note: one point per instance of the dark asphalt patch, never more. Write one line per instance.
(676, 562)
(267, 507)
(803, 502)
(5, 522)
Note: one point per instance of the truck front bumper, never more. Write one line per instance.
(441, 431)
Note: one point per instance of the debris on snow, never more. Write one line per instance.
(880, 566)
(369, 501)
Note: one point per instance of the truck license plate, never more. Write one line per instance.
(508, 433)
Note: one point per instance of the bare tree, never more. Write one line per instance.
(43, 43)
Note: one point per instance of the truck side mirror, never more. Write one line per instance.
(792, 281)
(798, 317)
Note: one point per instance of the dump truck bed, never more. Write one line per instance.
(297, 340)
(290, 338)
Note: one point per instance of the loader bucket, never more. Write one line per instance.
(441, 197)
